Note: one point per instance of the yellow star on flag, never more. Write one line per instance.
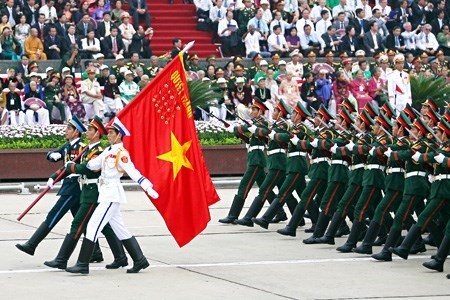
(177, 155)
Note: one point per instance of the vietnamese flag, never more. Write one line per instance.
(165, 148)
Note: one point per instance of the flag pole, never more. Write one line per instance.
(188, 46)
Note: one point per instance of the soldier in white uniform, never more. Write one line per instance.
(113, 162)
(399, 87)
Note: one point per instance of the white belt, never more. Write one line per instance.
(102, 180)
(356, 167)
(374, 167)
(320, 159)
(417, 173)
(250, 149)
(441, 177)
(274, 151)
(90, 181)
(73, 175)
(298, 153)
(395, 170)
(339, 162)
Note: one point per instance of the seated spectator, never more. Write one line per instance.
(384, 8)
(376, 17)
(341, 22)
(203, 7)
(128, 88)
(35, 113)
(376, 86)
(216, 14)
(139, 71)
(145, 80)
(350, 43)
(61, 26)
(341, 89)
(331, 41)
(71, 59)
(242, 97)
(323, 88)
(426, 41)
(438, 22)
(310, 41)
(22, 66)
(49, 11)
(372, 40)
(84, 26)
(22, 30)
(364, 5)
(395, 40)
(316, 11)
(90, 45)
(251, 40)
(103, 76)
(70, 97)
(70, 39)
(278, 20)
(111, 97)
(53, 44)
(260, 24)
(82, 12)
(33, 46)
(113, 45)
(305, 20)
(289, 90)
(67, 11)
(360, 90)
(126, 31)
(41, 27)
(104, 27)
(102, 7)
(443, 39)
(277, 43)
(11, 76)
(52, 97)
(91, 95)
(141, 42)
(267, 13)
(117, 12)
(324, 23)
(139, 10)
(308, 92)
(13, 102)
(227, 31)
(295, 66)
(9, 44)
(293, 40)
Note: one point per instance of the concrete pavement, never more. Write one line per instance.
(224, 262)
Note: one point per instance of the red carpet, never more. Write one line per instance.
(177, 20)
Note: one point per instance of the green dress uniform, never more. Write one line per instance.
(244, 15)
(152, 71)
(318, 175)
(252, 72)
(256, 162)
(273, 67)
(372, 186)
(393, 195)
(133, 67)
(50, 93)
(307, 68)
(193, 68)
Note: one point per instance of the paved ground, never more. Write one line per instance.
(225, 262)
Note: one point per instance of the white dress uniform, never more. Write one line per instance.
(114, 162)
(399, 90)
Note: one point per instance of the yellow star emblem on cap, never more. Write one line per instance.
(177, 155)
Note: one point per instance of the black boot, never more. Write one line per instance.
(438, 262)
(97, 255)
(321, 226)
(352, 238)
(371, 235)
(382, 236)
(328, 238)
(408, 242)
(418, 247)
(66, 250)
(429, 240)
(30, 246)
(342, 230)
(393, 237)
(280, 217)
(313, 211)
(139, 260)
(82, 265)
(252, 212)
(291, 227)
(269, 214)
(235, 210)
(120, 258)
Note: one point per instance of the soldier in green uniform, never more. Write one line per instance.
(276, 163)
(275, 61)
(308, 66)
(256, 161)
(88, 202)
(318, 174)
(193, 63)
(394, 184)
(281, 69)
(363, 124)
(255, 68)
(244, 15)
(373, 180)
(120, 62)
(441, 59)
(424, 61)
(297, 166)
(52, 96)
(338, 174)
(134, 62)
(416, 186)
(286, 16)
(438, 200)
(238, 72)
(154, 67)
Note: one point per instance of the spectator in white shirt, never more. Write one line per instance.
(323, 24)
(385, 10)
(260, 24)
(278, 20)
(216, 14)
(316, 12)
(426, 41)
(267, 13)
(49, 11)
(364, 5)
(277, 42)
(410, 37)
(203, 7)
(251, 40)
(227, 27)
(342, 7)
(311, 41)
(304, 21)
(376, 16)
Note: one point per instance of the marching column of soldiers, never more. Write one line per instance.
(377, 167)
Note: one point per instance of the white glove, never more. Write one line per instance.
(372, 151)
(350, 145)
(388, 152)
(252, 128)
(152, 193)
(230, 129)
(146, 184)
(295, 140)
(247, 146)
(416, 156)
(333, 149)
(439, 158)
(50, 182)
(55, 156)
(272, 135)
(430, 178)
(314, 143)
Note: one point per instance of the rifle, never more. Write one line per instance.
(237, 116)
(214, 116)
(39, 197)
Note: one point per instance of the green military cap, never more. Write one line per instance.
(347, 104)
(346, 116)
(284, 107)
(323, 111)
(372, 110)
(410, 112)
(446, 115)
(444, 126)
(259, 104)
(366, 118)
(384, 121)
(404, 120)
(301, 110)
(431, 104)
(388, 109)
(98, 124)
(421, 126)
(434, 116)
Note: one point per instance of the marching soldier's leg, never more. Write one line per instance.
(417, 229)
(382, 210)
(368, 195)
(437, 263)
(82, 265)
(293, 181)
(30, 246)
(66, 250)
(120, 258)
(97, 255)
(251, 175)
(139, 260)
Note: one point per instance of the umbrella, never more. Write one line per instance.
(320, 66)
(34, 101)
(193, 75)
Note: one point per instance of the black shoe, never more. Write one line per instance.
(420, 248)
(434, 265)
(369, 238)
(429, 241)
(289, 231)
(302, 223)
(403, 253)
(448, 276)
(118, 263)
(343, 230)
(252, 212)
(66, 250)
(438, 261)
(116, 246)
(261, 222)
(30, 246)
(244, 222)
(227, 220)
(280, 217)
(383, 256)
(312, 240)
(311, 229)
(97, 255)
(352, 238)
(326, 240)
(363, 249)
(346, 248)
(380, 241)
(139, 260)
(235, 210)
(82, 265)
(408, 242)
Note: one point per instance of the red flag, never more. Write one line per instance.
(165, 148)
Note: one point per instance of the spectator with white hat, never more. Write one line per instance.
(91, 96)
(128, 88)
(295, 67)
